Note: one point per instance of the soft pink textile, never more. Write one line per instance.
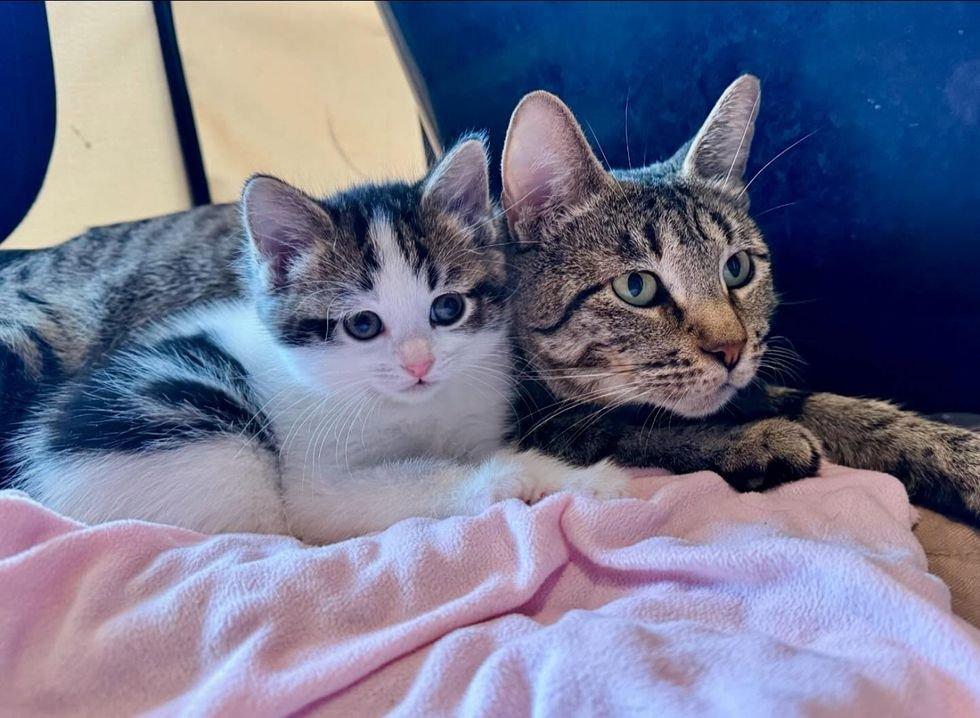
(809, 600)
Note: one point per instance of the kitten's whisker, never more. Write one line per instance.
(516, 203)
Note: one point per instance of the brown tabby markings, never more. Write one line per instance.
(642, 384)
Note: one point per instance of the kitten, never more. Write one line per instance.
(363, 379)
(63, 308)
(646, 298)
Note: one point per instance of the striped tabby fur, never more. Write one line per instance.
(656, 384)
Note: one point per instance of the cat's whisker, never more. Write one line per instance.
(572, 404)
(767, 164)
(777, 207)
(626, 128)
(745, 131)
(621, 398)
(605, 159)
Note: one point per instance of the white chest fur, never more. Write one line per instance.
(324, 436)
(327, 433)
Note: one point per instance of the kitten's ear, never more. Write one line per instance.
(460, 183)
(720, 149)
(282, 223)
(548, 165)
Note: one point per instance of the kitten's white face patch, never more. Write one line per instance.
(411, 358)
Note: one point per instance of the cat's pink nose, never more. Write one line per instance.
(420, 368)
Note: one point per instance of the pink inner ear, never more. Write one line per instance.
(531, 189)
(460, 182)
(547, 161)
(281, 221)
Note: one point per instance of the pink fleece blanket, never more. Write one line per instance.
(810, 600)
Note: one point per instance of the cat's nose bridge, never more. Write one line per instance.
(718, 331)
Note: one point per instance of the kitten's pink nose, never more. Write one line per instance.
(416, 356)
(420, 368)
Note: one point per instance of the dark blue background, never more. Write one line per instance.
(27, 108)
(878, 256)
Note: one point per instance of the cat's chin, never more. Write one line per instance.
(698, 407)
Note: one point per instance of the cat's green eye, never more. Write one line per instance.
(636, 288)
(363, 325)
(738, 270)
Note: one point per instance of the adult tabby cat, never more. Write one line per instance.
(364, 377)
(646, 298)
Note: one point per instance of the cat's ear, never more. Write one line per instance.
(282, 223)
(460, 183)
(719, 151)
(548, 165)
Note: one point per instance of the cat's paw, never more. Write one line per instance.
(940, 467)
(530, 476)
(768, 453)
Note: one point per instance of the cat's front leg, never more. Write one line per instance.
(939, 464)
(753, 456)
(364, 501)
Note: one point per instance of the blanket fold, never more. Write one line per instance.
(813, 599)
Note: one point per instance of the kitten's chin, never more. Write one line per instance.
(414, 393)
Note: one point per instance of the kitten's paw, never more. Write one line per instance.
(530, 477)
(603, 480)
(768, 453)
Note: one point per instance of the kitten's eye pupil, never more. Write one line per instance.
(447, 309)
(363, 325)
(738, 270)
(634, 284)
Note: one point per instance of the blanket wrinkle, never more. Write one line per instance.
(688, 599)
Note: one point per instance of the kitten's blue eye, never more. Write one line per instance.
(447, 309)
(363, 325)
(738, 270)
(636, 288)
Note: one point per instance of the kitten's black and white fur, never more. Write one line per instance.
(365, 377)
(646, 297)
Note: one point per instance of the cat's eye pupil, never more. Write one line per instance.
(638, 289)
(635, 284)
(363, 325)
(446, 309)
(735, 265)
(738, 270)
